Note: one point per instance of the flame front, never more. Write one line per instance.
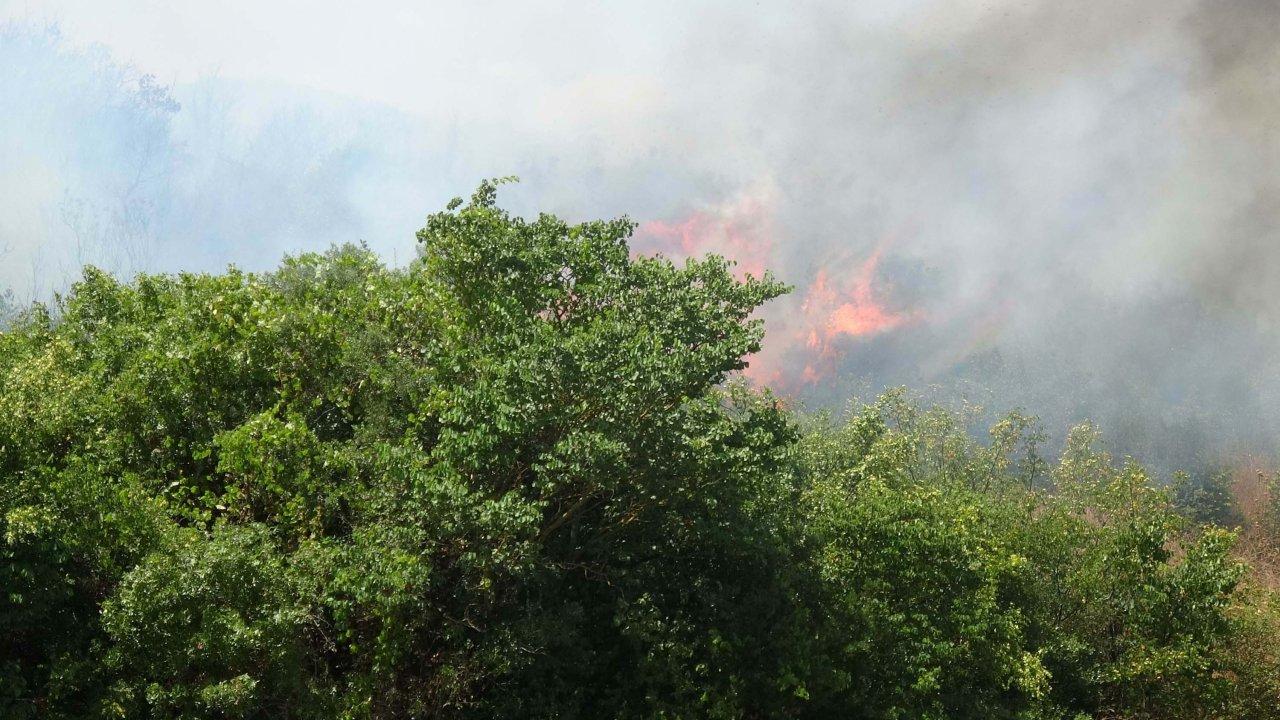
(739, 230)
(854, 313)
(804, 343)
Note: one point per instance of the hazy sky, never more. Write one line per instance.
(417, 57)
(1073, 207)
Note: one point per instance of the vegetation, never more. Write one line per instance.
(1208, 499)
(519, 479)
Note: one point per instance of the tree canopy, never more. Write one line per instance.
(519, 478)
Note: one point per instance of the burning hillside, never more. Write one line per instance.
(846, 301)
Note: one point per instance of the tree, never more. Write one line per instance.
(443, 482)
(519, 478)
(1207, 498)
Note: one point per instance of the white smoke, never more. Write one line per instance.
(1080, 201)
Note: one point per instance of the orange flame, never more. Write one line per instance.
(739, 230)
(804, 346)
(854, 313)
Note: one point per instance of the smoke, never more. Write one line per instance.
(102, 164)
(1079, 202)
(1069, 207)
(80, 163)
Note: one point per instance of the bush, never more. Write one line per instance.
(1207, 499)
(518, 479)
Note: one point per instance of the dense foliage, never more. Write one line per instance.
(517, 479)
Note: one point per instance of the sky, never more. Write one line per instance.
(1073, 208)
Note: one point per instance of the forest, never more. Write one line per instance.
(521, 476)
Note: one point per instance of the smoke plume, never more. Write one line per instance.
(1073, 208)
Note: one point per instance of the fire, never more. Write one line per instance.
(740, 230)
(803, 343)
(701, 233)
(808, 336)
(852, 312)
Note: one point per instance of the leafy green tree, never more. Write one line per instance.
(519, 478)
(504, 478)
(954, 590)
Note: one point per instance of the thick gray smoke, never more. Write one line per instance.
(1069, 207)
(1078, 202)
